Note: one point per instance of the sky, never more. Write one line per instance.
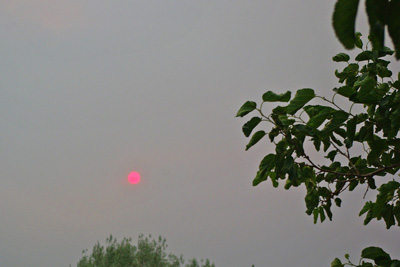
(93, 90)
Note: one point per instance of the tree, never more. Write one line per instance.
(312, 125)
(381, 14)
(147, 253)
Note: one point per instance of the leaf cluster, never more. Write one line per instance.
(370, 257)
(337, 133)
(381, 14)
(148, 252)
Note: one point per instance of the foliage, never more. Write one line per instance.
(381, 13)
(359, 141)
(147, 253)
(375, 257)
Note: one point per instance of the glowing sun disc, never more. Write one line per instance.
(134, 177)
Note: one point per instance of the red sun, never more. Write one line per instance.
(134, 177)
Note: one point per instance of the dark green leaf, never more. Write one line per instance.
(396, 84)
(383, 88)
(331, 155)
(358, 41)
(376, 16)
(365, 55)
(367, 93)
(250, 125)
(374, 253)
(273, 133)
(366, 132)
(338, 118)
(393, 23)
(388, 216)
(255, 138)
(301, 98)
(396, 212)
(288, 164)
(341, 57)
(272, 97)
(369, 217)
(328, 211)
(259, 178)
(346, 91)
(395, 120)
(336, 263)
(385, 51)
(351, 130)
(351, 69)
(378, 146)
(338, 202)
(285, 120)
(383, 71)
(313, 110)
(268, 163)
(344, 18)
(318, 119)
(321, 214)
(279, 110)
(247, 107)
(367, 207)
(353, 185)
(315, 215)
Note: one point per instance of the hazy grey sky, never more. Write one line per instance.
(91, 90)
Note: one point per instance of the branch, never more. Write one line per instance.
(365, 175)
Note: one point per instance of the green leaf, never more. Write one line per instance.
(300, 99)
(328, 211)
(272, 97)
(259, 178)
(367, 93)
(279, 110)
(273, 133)
(385, 51)
(338, 202)
(393, 23)
(351, 68)
(331, 155)
(338, 118)
(247, 107)
(378, 146)
(318, 119)
(358, 41)
(395, 120)
(315, 215)
(285, 120)
(344, 19)
(376, 16)
(365, 55)
(341, 57)
(268, 163)
(351, 130)
(375, 253)
(313, 110)
(321, 214)
(255, 138)
(250, 125)
(346, 91)
(383, 71)
(336, 263)
(366, 132)
(388, 216)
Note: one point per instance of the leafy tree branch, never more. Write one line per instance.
(338, 134)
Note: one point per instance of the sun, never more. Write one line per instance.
(134, 178)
